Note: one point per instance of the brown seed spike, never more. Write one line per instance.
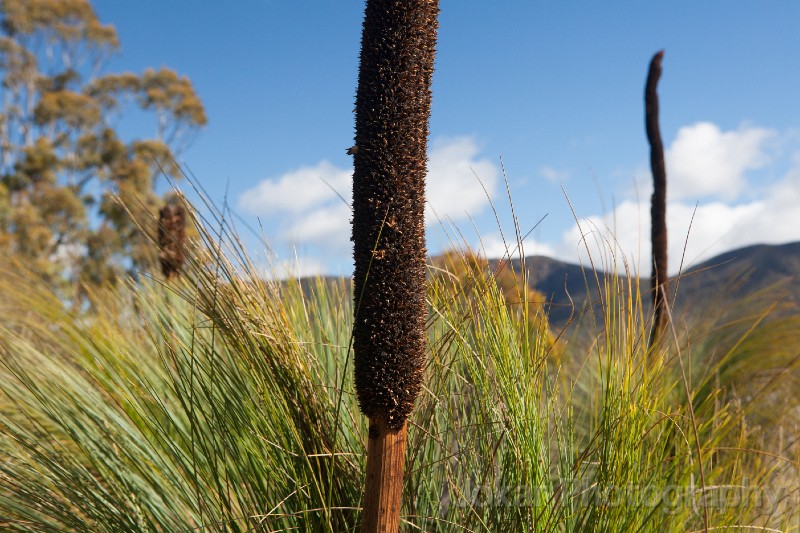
(392, 112)
(171, 239)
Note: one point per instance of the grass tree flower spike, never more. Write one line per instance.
(393, 103)
(171, 239)
(658, 208)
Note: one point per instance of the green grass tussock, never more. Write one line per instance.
(225, 402)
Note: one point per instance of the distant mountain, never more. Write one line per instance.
(772, 270)
(748, 270)
(769, 271)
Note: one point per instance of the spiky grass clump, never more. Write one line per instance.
(224, 402)
(167, 409)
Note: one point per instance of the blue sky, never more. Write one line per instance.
(551, 90)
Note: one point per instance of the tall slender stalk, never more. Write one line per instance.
(659, 281)
(393, 102)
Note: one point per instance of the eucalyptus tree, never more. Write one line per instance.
(66, 171)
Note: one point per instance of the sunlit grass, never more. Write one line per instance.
(225, 402)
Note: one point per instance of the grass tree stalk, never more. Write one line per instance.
(659, 281)
(393, 103)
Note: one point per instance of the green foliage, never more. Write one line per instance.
(225, 402)
(63, 167)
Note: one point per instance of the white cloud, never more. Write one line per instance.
(297, 191)
(717, 227)
(329, 225)
(454, 179)
(307, 210)
(705, 161)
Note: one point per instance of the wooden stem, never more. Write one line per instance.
(383, 489)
